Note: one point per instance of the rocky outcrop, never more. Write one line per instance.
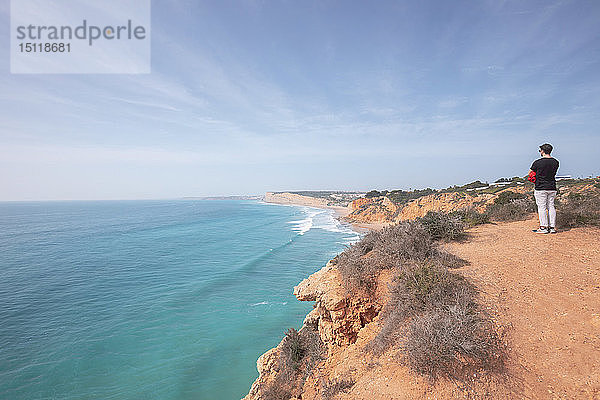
(374, 209)
(346, 324)
(337, 316)
(444, 202)
(383, 210)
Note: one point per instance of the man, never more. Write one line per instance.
(545, 189)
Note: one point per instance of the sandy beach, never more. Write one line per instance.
(340, 212)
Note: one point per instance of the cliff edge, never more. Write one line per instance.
(544, 288)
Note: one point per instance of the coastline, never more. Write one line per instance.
(340, 212)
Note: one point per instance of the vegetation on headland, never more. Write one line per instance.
(433, 314)
(404, 196)
(401, 196)
(505, 200)
(433, 319)
(578, 209)
(476, 187)
(300, 352)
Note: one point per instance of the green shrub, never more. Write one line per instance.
(443, 226)
(471, 218)
(516, 209)
(374, 193)
(403, 196)
(293, 348)
(508, 196)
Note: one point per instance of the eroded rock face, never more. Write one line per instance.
(444, 202)
(268, 369)
(358, 203)
(383, 210)
(338, 316)
(375, 209)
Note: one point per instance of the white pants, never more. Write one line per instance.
(545, 204)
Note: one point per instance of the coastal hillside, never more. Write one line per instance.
(395, 206)
(543, 292)
(449, 305)
(375, 209)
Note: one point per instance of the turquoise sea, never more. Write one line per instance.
(151, 299)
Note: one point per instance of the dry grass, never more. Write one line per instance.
(471, 217)
(434, 316)
(511, 206)
(335, 386)
(417, 289)
(300, 352)
(393, 247)
(453, 342)
(360, 264)
(578, 210)
(443, 226)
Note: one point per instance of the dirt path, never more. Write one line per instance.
(547, 288)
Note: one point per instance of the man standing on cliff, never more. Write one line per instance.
(545, 189)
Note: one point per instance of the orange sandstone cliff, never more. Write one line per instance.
(337, 318)
(544, 288)
(382, 210)
(549, 304)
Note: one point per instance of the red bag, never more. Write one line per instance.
(531, 177)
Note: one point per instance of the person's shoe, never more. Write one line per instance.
(552, 230)
(541, 229)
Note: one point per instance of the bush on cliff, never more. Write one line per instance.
(391, 247)
(453, 342)
(299, 352)
(511, 206)
(337, 385)
(293, 349)
(471, 217)
(434, 316)
(443, 226)
(360, 263)
(508, 196)
(416, 289)
(578, 210)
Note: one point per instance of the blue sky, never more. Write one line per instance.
(248, 96)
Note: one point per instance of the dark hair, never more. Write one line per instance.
(546, 148)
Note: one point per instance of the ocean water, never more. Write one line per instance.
(151, 299)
